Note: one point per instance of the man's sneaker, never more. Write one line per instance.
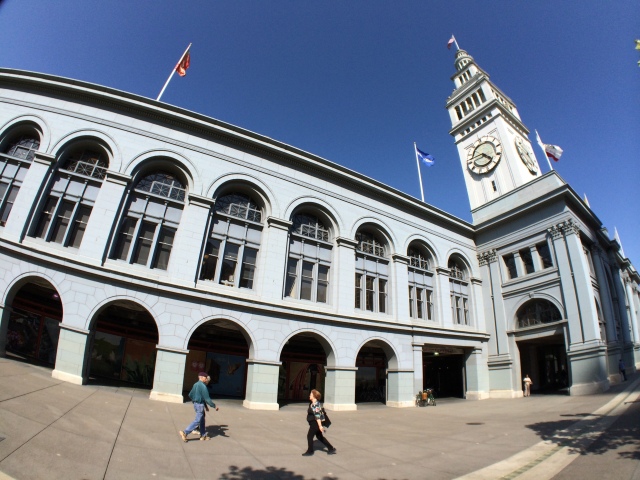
(196, 431)
(204, 437)
(332, 451)
(183, 436)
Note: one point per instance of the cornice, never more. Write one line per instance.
(44, 158)
(279, 223)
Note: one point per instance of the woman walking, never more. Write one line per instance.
(315, 418)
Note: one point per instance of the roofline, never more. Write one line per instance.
(174, 114)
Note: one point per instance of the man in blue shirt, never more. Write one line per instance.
(199, 395)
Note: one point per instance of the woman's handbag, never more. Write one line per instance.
(326, 423)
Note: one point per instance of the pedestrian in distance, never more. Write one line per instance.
(527, 385)
(315, 416)
(199, 395)
(206, 408)
(623, 370)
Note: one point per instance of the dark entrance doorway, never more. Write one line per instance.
(219, 348)
(123, 346)
(443, 370)
(303, 368)
(34, 323)
(371, 376)
(545, 360)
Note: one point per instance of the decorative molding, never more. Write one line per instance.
(442, 271)
(487, 257)
(117, 177)
(200, 201)
(555, 232)
(279, 223)
(346, 242)
(569, 227)
(44, 158)
(398, 258)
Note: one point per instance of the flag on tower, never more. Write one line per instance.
(425, 158)
(451, 42)
(184, 63)
(551, 151)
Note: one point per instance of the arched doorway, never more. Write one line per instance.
(303, 361)
(540, 336)
(33, 327)
(123, 345)
(220, 348)
(371, 374)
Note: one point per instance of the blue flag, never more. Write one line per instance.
(425, 158)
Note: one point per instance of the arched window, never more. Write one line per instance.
(149, 225)
(372, 273)
(72, 195)
(459, 292)
(236, 231)
(420, 283)
(537, 312)
(309, 259)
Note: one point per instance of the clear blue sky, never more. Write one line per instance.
(358, 81)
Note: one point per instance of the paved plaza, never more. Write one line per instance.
(50, 429)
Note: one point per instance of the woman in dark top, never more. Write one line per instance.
(315, 418)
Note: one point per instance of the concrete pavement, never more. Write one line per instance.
(58, 430)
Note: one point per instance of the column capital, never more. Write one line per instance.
(555, 232)
(44, 158)
(565, 228)
(279, 223)
(346, 242)
(117, 177)
(485, 258)
(398, 258)
(200, 201)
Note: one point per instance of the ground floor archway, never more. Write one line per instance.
(303, 362)
(545, 360)
(444, 370)
(218, 347)
(34, 317)
(371, 373)
(122, 346)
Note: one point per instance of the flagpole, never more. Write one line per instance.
(544, 150)
(455, 41)
(172, 72)
(415, 148)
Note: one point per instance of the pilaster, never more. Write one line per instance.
(345, 275)
(168, 375)
(340, 388)
(400, 388)
(443, 292)
(71, 355)
(401, 280)
(262, 385)
(273, 258)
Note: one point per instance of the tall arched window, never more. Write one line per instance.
(420, 283)
(459, 292)
(372, 273)
(537, 312)
(72, 195)
(236, 233)
(18, 152)
(151, 220)
(309, 259)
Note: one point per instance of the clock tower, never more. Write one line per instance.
(492, 141)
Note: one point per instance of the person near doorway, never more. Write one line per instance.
(315, 416)
(623, 370)
(527, 385)
(199, 395)
(206, 407)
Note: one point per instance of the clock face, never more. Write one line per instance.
(484, 154)
(526, 156)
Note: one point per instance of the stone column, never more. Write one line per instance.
(345, 275)
(477, 375)
(537, 263)
(5, 314)
(400, 388)
(340, 388)
(72, 355)
(520, 270)
(418, 368)
(476, 304)
(186, 254)
(401, 287)
(633, 318)
(30, 191)
(104, 215)
(618, 284)
(273, 259)
(262, 385)
(605, 294)
(443, 295)
(168, 375)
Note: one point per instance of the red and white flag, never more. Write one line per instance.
(184, 63)
(451, 42)
(553, 151)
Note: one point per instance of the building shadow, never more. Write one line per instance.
(267, 473)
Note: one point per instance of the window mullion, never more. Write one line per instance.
(134, 237)
(72, 217)
(54, 216)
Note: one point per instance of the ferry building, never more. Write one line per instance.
(141, 243)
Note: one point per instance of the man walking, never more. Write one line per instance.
(623, 370)
(199, 395)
